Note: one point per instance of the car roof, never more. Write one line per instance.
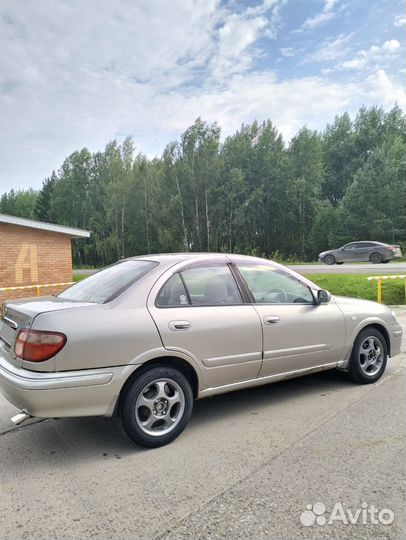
(173, 258)
(367, 242)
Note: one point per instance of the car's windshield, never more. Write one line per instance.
(108, 283)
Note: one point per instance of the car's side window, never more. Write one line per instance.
(205, 286)
(211, 286)
(269, 285)
(173, 293)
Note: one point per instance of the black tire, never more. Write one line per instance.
(339, 262)
(376, 258)
(329, 259)
(161, 380)
(358, 371)
(385, 262)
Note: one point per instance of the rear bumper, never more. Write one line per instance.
(71, 393)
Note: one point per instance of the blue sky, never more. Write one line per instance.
(75, 74)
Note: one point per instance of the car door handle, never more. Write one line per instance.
(271, 319)
(179, 325)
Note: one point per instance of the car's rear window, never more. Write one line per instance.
(108, 283)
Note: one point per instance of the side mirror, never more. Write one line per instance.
(323, 297)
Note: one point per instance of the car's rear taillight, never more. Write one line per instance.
(38, 345)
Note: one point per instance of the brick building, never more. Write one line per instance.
(34, 253)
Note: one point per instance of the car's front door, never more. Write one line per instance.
(200, 312)
(297, 333)
(348, 253)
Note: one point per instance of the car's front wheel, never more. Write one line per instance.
(157, 406)
(329, 259)
(369, 356)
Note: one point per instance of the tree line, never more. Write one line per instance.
(252, 193)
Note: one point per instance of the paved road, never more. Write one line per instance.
(347, 268)
(246, 467)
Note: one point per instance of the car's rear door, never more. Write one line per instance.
(370, 248)
(200, 311)
(363, 251)
(297, 333)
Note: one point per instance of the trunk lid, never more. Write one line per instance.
(19, 314)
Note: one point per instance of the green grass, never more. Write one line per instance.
(297, 263)
(357, 286)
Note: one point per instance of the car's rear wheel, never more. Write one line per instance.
(329, 259)
(376, 258)
(369, 356)
(339, 262)
(385, 262)
(157, 406)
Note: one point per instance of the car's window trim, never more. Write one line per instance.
(200, 264)
(245, 291)
(253, 302)
(186, 289)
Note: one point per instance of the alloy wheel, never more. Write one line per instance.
(371, 355)
(159, 407)
(329, 259)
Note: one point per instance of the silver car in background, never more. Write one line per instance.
(145, 337)
(365, 251)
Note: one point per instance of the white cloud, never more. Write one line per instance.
(321, 18)
(318, 20)
(74, 75)
(356, 63)
(331, 49)
(400, 20)
(375, 55)
(290, 104)
(390, 46)
(262, 8)
(234, 38)
(288, 51)
(382, 89)
(329, 4)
